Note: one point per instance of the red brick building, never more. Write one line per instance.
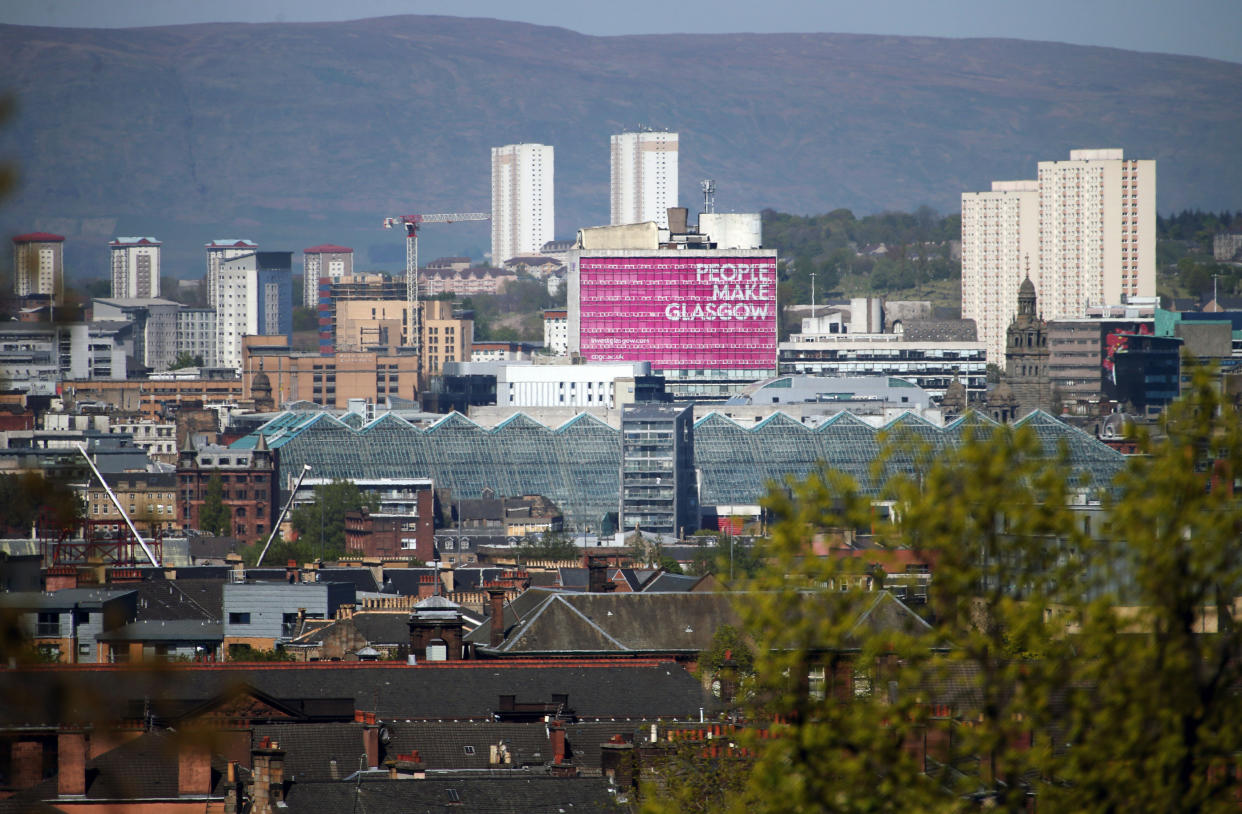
(248, 480)
(392, 535)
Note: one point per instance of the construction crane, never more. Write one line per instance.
(411, 224)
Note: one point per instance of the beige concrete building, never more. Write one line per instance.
(362, 324)
(1084, 230)
(1000, 246)
(272, 369)
(446, 338)
(1097, 232)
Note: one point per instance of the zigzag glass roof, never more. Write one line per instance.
(577, 465)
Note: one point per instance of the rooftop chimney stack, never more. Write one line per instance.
(71, 763)
(496, 597)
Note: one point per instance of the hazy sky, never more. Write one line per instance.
(1207, 28)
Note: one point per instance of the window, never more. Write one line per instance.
(239, 618)
(289, 624)
(48, 625)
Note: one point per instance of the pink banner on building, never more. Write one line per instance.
(679, 312)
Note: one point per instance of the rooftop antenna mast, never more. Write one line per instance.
(709, 195)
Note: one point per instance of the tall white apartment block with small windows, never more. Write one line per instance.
(135, 268)
(523, 206)
(1097, 232)
(644, 177)
(1000, 246)
(218, 251)
(327, 260)
(38, 264)
(1085, 231)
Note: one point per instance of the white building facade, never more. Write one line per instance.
(252, 298)
(333, 262)
(135, 267)
(1000, 246)
(589, 385)
(556, 331)
(523, 203)
(218, 251)
(644, 177)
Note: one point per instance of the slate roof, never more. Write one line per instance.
(395, 691)
(441, 745)
(176, 630)
(377, 627)
(404, 581)
(362, 578)
(542, 622)
(671, 583)
(514, 794)
(180, 599)
(142, 769)
(472, 579)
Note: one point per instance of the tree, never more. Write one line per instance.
(322, 524)
(1092, 673)
(214, 517)
(1159, 730)
(186, 359)
(550, 545)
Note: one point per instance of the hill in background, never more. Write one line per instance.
(298, 134)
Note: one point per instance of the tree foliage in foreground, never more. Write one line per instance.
(1063, 668)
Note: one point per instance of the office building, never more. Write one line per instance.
(604, 384)
(929, 353)
(39, 264)
(135, 267)
(218, 251)
(705, 318)
(196, 334)
(272, 370)
(1000, 247)
(523, 208)
(155, 327)
(318, 262)
(644, 177)
(253, 293)
(658, 486)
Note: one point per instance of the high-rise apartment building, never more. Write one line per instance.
(253, 298)
(333, 262)
(218, 251)
(1097, 231)
(644, 177)
(1084, 231)
(38, 264)
(523, 208)
(135, 268)
(1000, 246)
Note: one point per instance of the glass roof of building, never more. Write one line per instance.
(577, 465)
